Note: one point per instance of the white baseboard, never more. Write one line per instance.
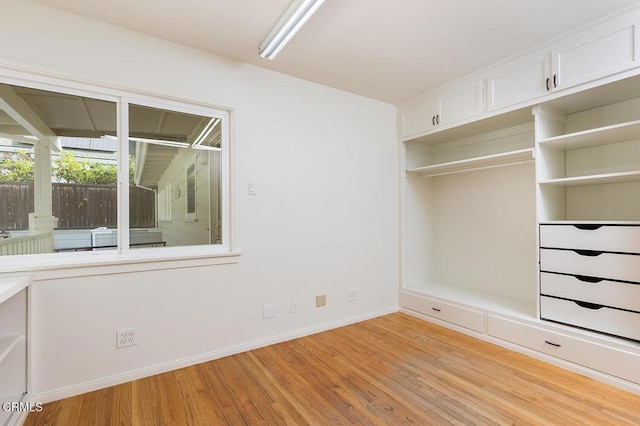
(128, 376)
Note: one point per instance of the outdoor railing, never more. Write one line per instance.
(26, 244)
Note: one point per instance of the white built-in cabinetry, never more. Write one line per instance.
(604, 50)
(455, 104)
(13, 343)
(607, 49)
(463, 191)
(519, 80)
(482, 198)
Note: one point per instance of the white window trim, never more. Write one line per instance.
(122, 97)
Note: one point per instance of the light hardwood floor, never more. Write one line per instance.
(390, 370)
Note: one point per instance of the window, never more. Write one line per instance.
(62, 155)
(179, 153)
(58, 172)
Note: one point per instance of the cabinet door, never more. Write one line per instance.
(518, 81)
(605, 50)
(459, 103)
(416, 117)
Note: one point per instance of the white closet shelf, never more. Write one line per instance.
(621, 177)
(476, 163)
(594, 137)
(7, 343)
(476, 299)
(10, 286)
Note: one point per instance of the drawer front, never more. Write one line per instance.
(593, 355)
(623, 238)
(587, 289)
(454, 314)
(607, 320)
(625, 267)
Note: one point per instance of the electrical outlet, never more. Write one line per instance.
(126, 337)
(352, 295)
(294, 306)
(321, 300)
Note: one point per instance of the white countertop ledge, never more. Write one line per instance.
(11, 285)
(100, 263)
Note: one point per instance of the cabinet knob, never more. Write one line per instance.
(555, 81)
(433, 120)
(547, 84)
(437, 118)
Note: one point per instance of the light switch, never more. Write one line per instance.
(252, 188)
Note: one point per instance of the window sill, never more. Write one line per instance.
(68, 265)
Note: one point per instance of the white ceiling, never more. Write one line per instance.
(382, 49)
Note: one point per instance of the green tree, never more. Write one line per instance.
(19, 167)
(16, 167)
(68, 169)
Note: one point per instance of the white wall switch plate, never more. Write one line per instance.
(268, 311)
(253, 189)
(352, 295)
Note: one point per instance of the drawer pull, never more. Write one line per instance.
(590, 253)
(589, 227)
(436, 309)
(587, 279)
(588, 305)
(557, 345)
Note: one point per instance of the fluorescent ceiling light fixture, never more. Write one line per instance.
(289, 24)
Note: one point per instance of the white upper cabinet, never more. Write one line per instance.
(581, 59)
(458, 102)
(593, 54)
(604, 50)
(518, 81)
(416, 117)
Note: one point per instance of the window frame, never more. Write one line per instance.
(122, 98)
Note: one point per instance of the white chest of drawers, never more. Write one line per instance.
(590, 277)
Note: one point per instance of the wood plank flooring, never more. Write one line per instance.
(391, 370)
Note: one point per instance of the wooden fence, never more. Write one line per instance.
(76, 206)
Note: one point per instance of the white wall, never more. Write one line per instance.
(324, 219)
(178, 231)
